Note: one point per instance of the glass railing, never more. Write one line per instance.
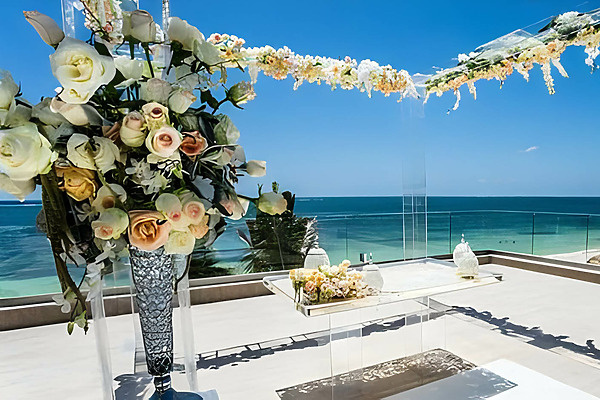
(27, 267)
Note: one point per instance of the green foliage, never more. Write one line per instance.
(279, 241)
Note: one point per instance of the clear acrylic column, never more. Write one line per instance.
(414, 182)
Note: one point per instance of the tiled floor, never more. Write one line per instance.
(250, 348)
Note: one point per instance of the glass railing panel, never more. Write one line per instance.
(333, 237)
(506, 231)
(563, 235)
(26, 265)
(438, 234)
(380, 235)
(593, 237)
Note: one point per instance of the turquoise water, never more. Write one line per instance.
(347, 227)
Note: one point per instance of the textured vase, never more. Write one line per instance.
(153, 280)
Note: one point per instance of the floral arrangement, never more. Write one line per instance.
(131, 151)
(519, 51)
(327, 284)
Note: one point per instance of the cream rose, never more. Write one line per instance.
(130, 69)
(80, 69)
(256, 168)
(92, 153)
(193, 144)
(107, 197)
(155, 90)
(148, 230)
(140, 25)
(156, 115)
(111, 224)
(24, 152)
(80, 184)
(19, 189)
(76, 114)
(8, 91)
(192, 208)
(131, 132)
(180, 242)
(181, 100)
(163, 142)
(171, 207)
(180, 31)
(272, 203)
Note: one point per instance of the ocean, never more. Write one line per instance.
(347, 226)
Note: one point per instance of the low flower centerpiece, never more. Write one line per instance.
(328, 284)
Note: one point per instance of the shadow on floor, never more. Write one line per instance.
(540, 339)
(132, 386)
(243, 354)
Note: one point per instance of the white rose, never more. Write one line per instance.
(80, 69)
(8, 91)
(76, 114)
(111, 224)
(181, 100)
(225, 131)
(105, 198)
(207, 52)
(24, 152)
(19, 189)
(97, 153)
(130, 69)
(272, 203)
(163, 142)
(180, 242)
(155, 90)
(140, 25)
(170, 205)
(180, 31)
(256, 168)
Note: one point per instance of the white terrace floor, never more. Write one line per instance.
(545, 323)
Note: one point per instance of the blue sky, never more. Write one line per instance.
(323, 143)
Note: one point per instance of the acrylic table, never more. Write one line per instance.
(404, 299)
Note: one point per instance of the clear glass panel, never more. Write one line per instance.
(561, 234)
(438, 233)
(488, 230)
(333, 237)
(26, 266)
(593, 237)
(379, 235)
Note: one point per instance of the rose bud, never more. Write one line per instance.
(156, 115)
(140, 25)
(241, 93)
(193, 143)
(131, 129)
(45, 26)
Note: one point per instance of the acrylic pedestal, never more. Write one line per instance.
(413, 323)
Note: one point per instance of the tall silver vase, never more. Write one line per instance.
(153, 279)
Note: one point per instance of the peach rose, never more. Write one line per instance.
(193, 143)
(192, 207)
(148, 230)
(164, 141)
(201, 229)
(79, 183)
